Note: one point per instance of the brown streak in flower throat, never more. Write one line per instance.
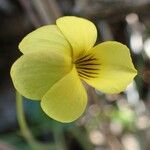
(87, 66)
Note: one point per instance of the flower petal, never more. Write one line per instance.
(116, 67)
(34, 73)
(80, 33)
(47, 38)
(66, 100)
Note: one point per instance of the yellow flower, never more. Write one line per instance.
(57, 58)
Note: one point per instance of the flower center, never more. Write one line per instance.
(87, 66)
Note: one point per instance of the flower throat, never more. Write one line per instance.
(87, 66)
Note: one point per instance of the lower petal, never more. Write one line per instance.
(116, 68)
(66, 100)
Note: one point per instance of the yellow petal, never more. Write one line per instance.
(116, 68)
(34, 73)
(66, 100)
(46, 38)
(81, 33)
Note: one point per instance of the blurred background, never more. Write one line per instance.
(111, 122)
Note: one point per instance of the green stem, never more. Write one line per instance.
(35, 145)
(22, 122)
(60, 139)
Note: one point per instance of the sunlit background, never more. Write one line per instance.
(111, 122)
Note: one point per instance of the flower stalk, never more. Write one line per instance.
(22, 122)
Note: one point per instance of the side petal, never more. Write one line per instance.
(81, 33)
(46, 38)
(66, 100)
(116, 68)
(33, 74)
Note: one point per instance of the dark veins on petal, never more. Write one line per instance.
(87, 66)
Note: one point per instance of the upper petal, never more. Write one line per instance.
(46, 38)
(34, 73)
(81, 33)
(66, 100)
(116, 68)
